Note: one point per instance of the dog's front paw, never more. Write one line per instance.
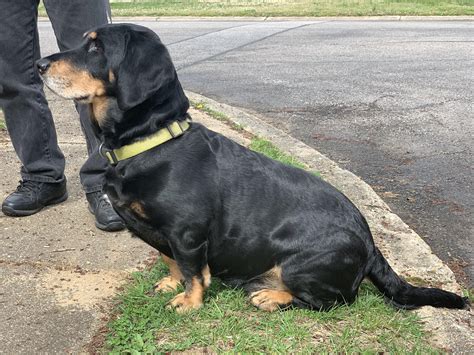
(167, 284)
(184, 303)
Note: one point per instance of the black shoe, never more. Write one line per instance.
(31, 196)
(105, 216)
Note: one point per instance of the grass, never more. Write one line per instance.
(469, 293)
(288, 7)
(202, 106)
(228, 323)
(267, 148)
(257, 144)
(3, 125)
(291, 7)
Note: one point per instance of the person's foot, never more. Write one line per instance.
(32, 196)
(105, 216)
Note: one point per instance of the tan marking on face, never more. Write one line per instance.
(99, 107)
(138, 209)
(71, 82)
(92, 35)
(111, 76)
(271, 300)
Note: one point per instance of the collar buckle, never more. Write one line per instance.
(107, 153)
(170, 130)
(170, 127)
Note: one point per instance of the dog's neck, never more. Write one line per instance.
(118, 127)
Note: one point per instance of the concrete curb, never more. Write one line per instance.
(406, 251)
(262, 19)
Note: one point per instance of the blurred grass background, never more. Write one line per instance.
(288, 7)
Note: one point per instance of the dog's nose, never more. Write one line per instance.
(43, 65)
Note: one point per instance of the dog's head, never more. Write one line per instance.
(118, 69)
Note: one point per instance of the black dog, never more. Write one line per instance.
(211, 206)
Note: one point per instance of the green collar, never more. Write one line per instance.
(173, 130)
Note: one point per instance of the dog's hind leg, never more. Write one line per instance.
(268, 292)
(322, 280)
(173, 281)
(271, 300)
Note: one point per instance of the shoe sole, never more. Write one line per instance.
(111, 227)
(11, 212)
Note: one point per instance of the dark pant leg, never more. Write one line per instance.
(28, 118)
(70, 20)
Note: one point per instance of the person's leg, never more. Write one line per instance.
(28, 118)
(70, 20)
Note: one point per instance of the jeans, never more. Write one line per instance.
(28, 118)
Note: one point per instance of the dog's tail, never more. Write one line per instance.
(403, 295)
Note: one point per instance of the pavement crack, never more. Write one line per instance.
(433, 41)
(374, 104)
(43, 265)
(241, 46)
(204, 34)
(432, 105)
(443, 153)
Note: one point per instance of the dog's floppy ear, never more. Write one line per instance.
(146, 67)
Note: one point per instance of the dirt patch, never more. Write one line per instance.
(81, 289)
(4, 139)
(98, 340)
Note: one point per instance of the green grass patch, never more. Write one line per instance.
(202, 106)
(267, 148)
(291, 7)
(257, 144)
(213, 113)
(228, 323)
(288, 7)
(469, 293)
(3, 125)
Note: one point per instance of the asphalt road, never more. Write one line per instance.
(391, 101)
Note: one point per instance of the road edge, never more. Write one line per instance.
(279, 18)
(407, 252)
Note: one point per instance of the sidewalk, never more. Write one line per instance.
(59, 273)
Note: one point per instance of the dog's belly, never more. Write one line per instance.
(239, 265)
